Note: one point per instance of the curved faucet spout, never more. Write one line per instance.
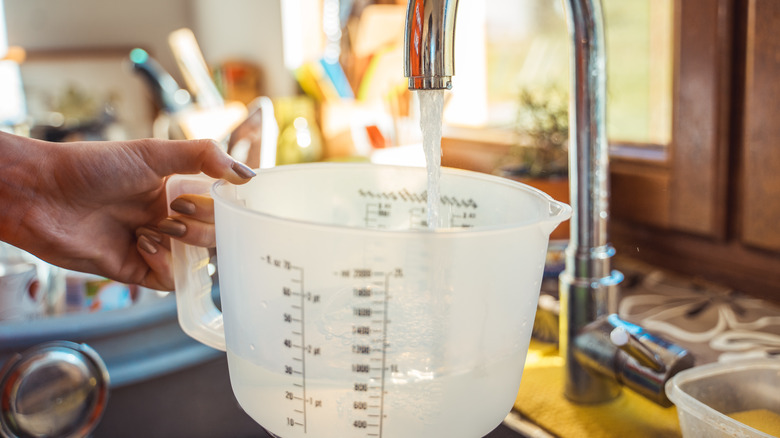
(429, 42)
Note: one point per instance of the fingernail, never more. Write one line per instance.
(172, 227)
(243, 170)
(183, 206)
(147, 245)
(149, 233)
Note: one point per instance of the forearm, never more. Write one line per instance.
(22, 163)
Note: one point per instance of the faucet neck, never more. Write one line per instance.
(588, 286)
(588, 157)
(429, 55)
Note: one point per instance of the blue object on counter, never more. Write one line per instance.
(556, 258)
(338, 78)
(136, 343)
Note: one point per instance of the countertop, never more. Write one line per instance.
(714, 323)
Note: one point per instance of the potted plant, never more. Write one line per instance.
(540, 155)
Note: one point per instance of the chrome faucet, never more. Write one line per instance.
(601, 352)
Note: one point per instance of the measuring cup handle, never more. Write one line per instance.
(198, 316)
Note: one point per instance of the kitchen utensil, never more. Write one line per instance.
(197, 76)
(346, 316)
(165, 90)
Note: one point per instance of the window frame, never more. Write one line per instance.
(682, 209)
(684, 185)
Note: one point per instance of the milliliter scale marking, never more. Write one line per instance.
(370, 347)
(370, 324)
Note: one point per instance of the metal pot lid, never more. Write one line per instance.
(55, 389)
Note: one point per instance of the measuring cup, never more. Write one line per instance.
(345, 316)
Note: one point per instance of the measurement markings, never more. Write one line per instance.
(299, 281)
(296, 317)
(384, 355)
(371, 341)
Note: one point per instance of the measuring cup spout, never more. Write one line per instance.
(557, 212)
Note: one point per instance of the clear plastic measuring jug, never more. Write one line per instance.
(345, 316)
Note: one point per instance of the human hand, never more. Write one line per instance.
(78, 205)
(193, 224)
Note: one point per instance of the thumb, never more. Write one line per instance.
(194, 156)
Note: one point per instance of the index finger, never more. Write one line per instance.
(167, 157)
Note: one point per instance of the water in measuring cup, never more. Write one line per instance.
(431, 108)
(415, 405)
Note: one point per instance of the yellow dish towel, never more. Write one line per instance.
(541, 401)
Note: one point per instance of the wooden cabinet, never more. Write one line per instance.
(708, 205)
(758, 198)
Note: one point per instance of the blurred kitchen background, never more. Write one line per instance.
(689, 95)
(692, 107)
(75, 56)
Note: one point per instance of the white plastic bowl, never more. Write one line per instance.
(706, 395)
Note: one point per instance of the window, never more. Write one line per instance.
(527, 46)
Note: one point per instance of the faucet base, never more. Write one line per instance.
(582, 302)
(594, 389)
